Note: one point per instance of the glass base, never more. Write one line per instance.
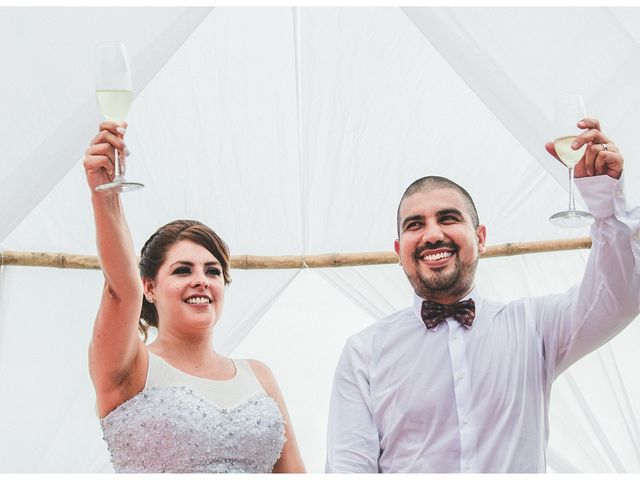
(119, 187)
(571, 219)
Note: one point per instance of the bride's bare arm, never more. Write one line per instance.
(117, 360)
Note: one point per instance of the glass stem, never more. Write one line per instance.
(572, 201)
(117, 170)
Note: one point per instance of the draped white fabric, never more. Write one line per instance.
(291, 131)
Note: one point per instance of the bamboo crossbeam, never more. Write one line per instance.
(253, 262)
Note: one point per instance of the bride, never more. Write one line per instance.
(174, 405)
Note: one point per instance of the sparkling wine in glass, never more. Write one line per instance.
(569, 110)
(114, 94)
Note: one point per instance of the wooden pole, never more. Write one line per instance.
(257, 262)
(509, 249)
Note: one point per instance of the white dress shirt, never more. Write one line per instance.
(452, 399)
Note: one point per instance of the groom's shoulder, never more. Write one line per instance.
(380, 327)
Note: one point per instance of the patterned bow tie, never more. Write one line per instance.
(433, 314)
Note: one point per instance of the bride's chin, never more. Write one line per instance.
(200, 321)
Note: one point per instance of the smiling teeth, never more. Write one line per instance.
(198, 300)
(437, 256)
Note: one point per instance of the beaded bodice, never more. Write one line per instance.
(174, 429)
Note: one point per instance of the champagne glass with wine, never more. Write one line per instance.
(569, 109)
(114, 94)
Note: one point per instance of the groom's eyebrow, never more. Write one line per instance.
(449, 211)
(412, 218)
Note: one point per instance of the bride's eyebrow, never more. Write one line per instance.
(191, 264)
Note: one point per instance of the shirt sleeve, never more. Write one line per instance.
(608, 298)
(353, 444)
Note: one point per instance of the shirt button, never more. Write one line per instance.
(460, 376)
(465, 420)
(467, 467)
(454, 337)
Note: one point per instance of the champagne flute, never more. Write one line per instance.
(569, 109)
(114, 94)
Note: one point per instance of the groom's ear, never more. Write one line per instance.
(481, 232)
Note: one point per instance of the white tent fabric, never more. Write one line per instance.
(295, 131)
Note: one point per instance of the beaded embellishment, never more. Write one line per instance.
(171, 429)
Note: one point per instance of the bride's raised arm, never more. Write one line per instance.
(117, 357)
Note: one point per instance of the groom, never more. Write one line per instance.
(457, 382)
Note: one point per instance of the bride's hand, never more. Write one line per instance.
(100, 156)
